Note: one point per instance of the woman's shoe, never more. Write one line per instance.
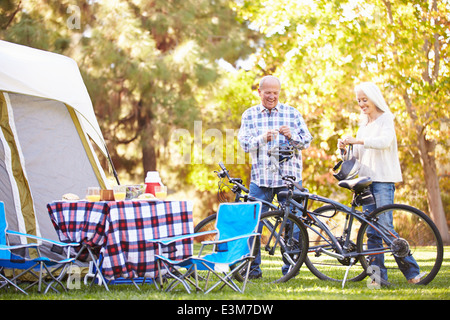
(417, 278)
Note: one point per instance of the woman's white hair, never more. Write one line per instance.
(372, 92)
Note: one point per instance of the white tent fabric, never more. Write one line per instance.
(46, 116)
(52, 160)
(48, 75)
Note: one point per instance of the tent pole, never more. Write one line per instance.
(112, 165)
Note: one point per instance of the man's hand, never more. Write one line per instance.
(271, 135)
(285, 131)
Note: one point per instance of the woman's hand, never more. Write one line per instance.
(349, 140)
(341, 144)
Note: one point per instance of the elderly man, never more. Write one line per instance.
(264, 125)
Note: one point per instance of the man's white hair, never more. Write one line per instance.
(268, 77)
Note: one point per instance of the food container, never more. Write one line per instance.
(134, 191)
(151, 181)
(106, 195)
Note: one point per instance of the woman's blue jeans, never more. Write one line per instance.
(383, 193)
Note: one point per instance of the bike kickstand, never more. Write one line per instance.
(352, 262)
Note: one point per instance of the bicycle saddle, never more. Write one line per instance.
(357, 184)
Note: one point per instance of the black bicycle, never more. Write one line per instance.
(339, 247)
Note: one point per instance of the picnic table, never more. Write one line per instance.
(119, 231)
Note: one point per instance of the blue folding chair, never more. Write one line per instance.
(6, 254)
(18, 257)
(236, 233)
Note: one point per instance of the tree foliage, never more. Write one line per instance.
(321, 49)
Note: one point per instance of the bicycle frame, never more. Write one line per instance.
(351, 214)
(290, 205)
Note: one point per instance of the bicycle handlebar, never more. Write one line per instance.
(224, 170)
(236, 181)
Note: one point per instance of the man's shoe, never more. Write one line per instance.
(253, 276)
(381, 282)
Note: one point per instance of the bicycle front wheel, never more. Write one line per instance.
(283, 246)
(416, 248)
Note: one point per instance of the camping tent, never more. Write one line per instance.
(48, 129)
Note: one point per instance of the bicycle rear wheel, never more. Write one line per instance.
(288, 255)
(326, 267)
(418, 243)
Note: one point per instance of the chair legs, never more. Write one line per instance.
(97, 263)
(53, 278)
(43, 272)
(226, 279)
(178, 278)
(9, 282)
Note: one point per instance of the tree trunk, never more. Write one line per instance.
(147, 135)
(435, 206)
(428, 161)
(427, 147)
(148, 148)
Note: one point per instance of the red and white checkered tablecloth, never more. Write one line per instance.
(121, 228)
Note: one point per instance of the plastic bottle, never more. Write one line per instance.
(151, 181)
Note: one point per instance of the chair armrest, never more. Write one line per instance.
(19, 246)
(169, 240)
(230, 239)
(58, 243)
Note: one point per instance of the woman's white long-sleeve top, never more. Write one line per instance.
(379, 154)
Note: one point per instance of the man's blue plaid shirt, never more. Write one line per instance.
(256, 121)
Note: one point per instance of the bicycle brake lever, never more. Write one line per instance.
(220, 174)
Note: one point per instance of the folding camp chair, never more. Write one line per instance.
(17, 257)
(236, 233)
(6, 250)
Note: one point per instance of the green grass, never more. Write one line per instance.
(304, 287)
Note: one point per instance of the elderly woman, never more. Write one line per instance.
(375, 146)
